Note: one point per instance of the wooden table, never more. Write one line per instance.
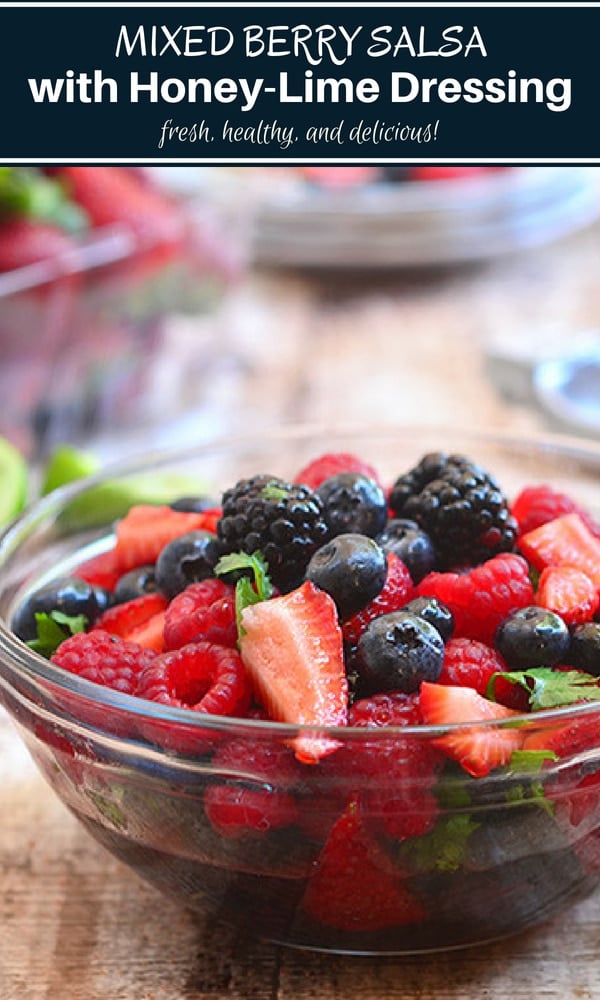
(76, 924)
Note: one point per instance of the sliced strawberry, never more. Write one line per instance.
(568, 592)
(150, 634)
(572, 737)
(537, 504)
(565, 541)
(356, 886)
(478, 749)
(140, 620)
(445, 173)
(102, 570)
(292, 649)
(146, 529)
(339, 177)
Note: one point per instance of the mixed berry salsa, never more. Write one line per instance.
(335, 600)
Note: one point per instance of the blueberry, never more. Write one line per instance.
(434, 612)
(193, 505)
(411, 544)
(352, 568)
(532, 637)
(584, 648)
(187, 559)
(68, 594)
(398, 651)
(353, 503)
(136, 583)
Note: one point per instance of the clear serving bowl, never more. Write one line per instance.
(506, 852)
(87, 335)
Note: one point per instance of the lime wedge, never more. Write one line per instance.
(66, 464)
(14, 481)
(107, 501)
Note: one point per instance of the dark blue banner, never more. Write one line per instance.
(263, 83)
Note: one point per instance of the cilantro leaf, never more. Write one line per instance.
(252, 586)
(548, 688)
(443, 848)
(54, 628)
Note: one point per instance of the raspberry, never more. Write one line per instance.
(396, 592)
(470, 663)
(393, 778)
(262, 801)
(201, 676)
(203, 611)
(460, 507)
(283, 521)
(536, 505)
(105, 659)
(481, 598)
(330, 464)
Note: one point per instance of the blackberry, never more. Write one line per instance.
(284, 521)
(459, 505)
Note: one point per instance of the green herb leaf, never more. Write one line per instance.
(443, 848)
(253, 586)
(26, 191)
(54, 628)
(273, 491)
(548, 688)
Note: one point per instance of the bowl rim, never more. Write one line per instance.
(35, 667)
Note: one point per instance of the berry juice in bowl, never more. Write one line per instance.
(336, 687)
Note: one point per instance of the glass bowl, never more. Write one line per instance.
(348, 859)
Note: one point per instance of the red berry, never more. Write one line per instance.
(470, 663)
(536, 505)
(292, 648)
(397, 590)
(356, 886)
(263, 801)
(25, 241)
(112, 195)
(127, 619)
(102, 570)
(331, 464)
(569, 593)
(203, 611)
(146, 529)
(104, 659)
(201, 676)
(393, 778)
(565, 541)
(481, 598)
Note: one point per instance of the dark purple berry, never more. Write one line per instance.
(398, 651)
(532, 637)
(187, 559)
(411, 544)
(353, 503)
(351, 568)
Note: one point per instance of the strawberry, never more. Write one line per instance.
(481, 598)
(448, 173)
(132, 620)
(569, 593)
(356, 886)
(477, 748)
(565, 541)
(572, 737)
(112, 195)
(102, 570)
(331, 464)
(146, 529)
(25, 241)
(292, 648)
(536, 505)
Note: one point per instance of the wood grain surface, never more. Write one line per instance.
(74, 922)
